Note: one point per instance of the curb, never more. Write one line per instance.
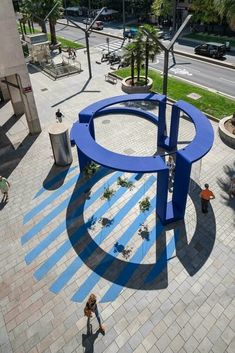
(210, 117)
(208, 60)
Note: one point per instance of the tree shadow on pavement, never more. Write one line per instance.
(224, 184)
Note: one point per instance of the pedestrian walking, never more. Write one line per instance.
(206, 195)
(74, 53)
(91, 307)
(59, 116)
(4, 187)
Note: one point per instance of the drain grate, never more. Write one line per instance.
(44, 89)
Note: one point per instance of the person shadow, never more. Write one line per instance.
(89, 338)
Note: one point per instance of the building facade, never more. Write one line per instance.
(15, 82)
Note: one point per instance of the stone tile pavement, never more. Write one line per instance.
(188, 308)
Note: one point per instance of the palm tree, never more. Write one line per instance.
(38, 10)
(140, 51)
(151, 48)
(226, 8)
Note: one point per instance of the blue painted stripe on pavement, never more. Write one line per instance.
(92, 246)
(54, 180)
(57, 210)
(33, 212)
(63, 225)
(165, 255)
(52, 260)
(107, 261)
(131, 267)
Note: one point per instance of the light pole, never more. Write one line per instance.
(167, 50)
(123, 16)
(86, 31)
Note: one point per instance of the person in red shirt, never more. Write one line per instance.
(206, 195)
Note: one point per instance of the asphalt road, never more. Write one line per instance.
(214, 77)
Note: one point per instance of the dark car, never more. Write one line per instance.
(214, 50)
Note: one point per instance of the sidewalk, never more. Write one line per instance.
(188, 304)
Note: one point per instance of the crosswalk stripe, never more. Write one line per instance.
(112, 45)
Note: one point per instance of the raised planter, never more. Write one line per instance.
(127, 88)
(227, 137)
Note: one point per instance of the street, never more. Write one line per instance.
(212, 76)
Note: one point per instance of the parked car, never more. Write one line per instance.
(214, 50)
(98, 25)
(130, 33)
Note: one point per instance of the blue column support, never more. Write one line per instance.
(162, 191)
(181, 186)
(174, 129)
(83, 160)
(161, 132)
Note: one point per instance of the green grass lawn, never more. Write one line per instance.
(210, 103)
(65, 43)
(211, 38)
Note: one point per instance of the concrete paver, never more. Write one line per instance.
(184, 313)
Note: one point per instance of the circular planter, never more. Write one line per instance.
(127, 88)
(227, 137)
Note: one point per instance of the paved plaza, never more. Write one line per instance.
(160, 290)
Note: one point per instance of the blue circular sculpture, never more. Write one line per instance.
(83, 135)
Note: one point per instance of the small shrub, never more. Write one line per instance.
(91, 169)
(125, 183)
(144, 204)
(108, 193)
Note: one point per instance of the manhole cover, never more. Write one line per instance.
(44, 89)
(105, 121)
(194, 96)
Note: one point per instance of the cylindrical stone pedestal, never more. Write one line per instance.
(60, 143)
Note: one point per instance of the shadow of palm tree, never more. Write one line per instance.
(224, 184)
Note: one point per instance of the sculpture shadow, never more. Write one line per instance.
(147, 276)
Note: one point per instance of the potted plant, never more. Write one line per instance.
(137, 54)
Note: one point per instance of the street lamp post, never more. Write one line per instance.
(167, 49)
(123, 16)
(86, 31)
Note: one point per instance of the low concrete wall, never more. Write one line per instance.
(226, 136)
(136, 89)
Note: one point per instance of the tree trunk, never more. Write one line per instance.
(132, 69)
(24, 28)
(146, 62)
(32, 25)
(29, 25)
(53, 32)
(43, 26)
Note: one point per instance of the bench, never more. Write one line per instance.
(110, 78)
